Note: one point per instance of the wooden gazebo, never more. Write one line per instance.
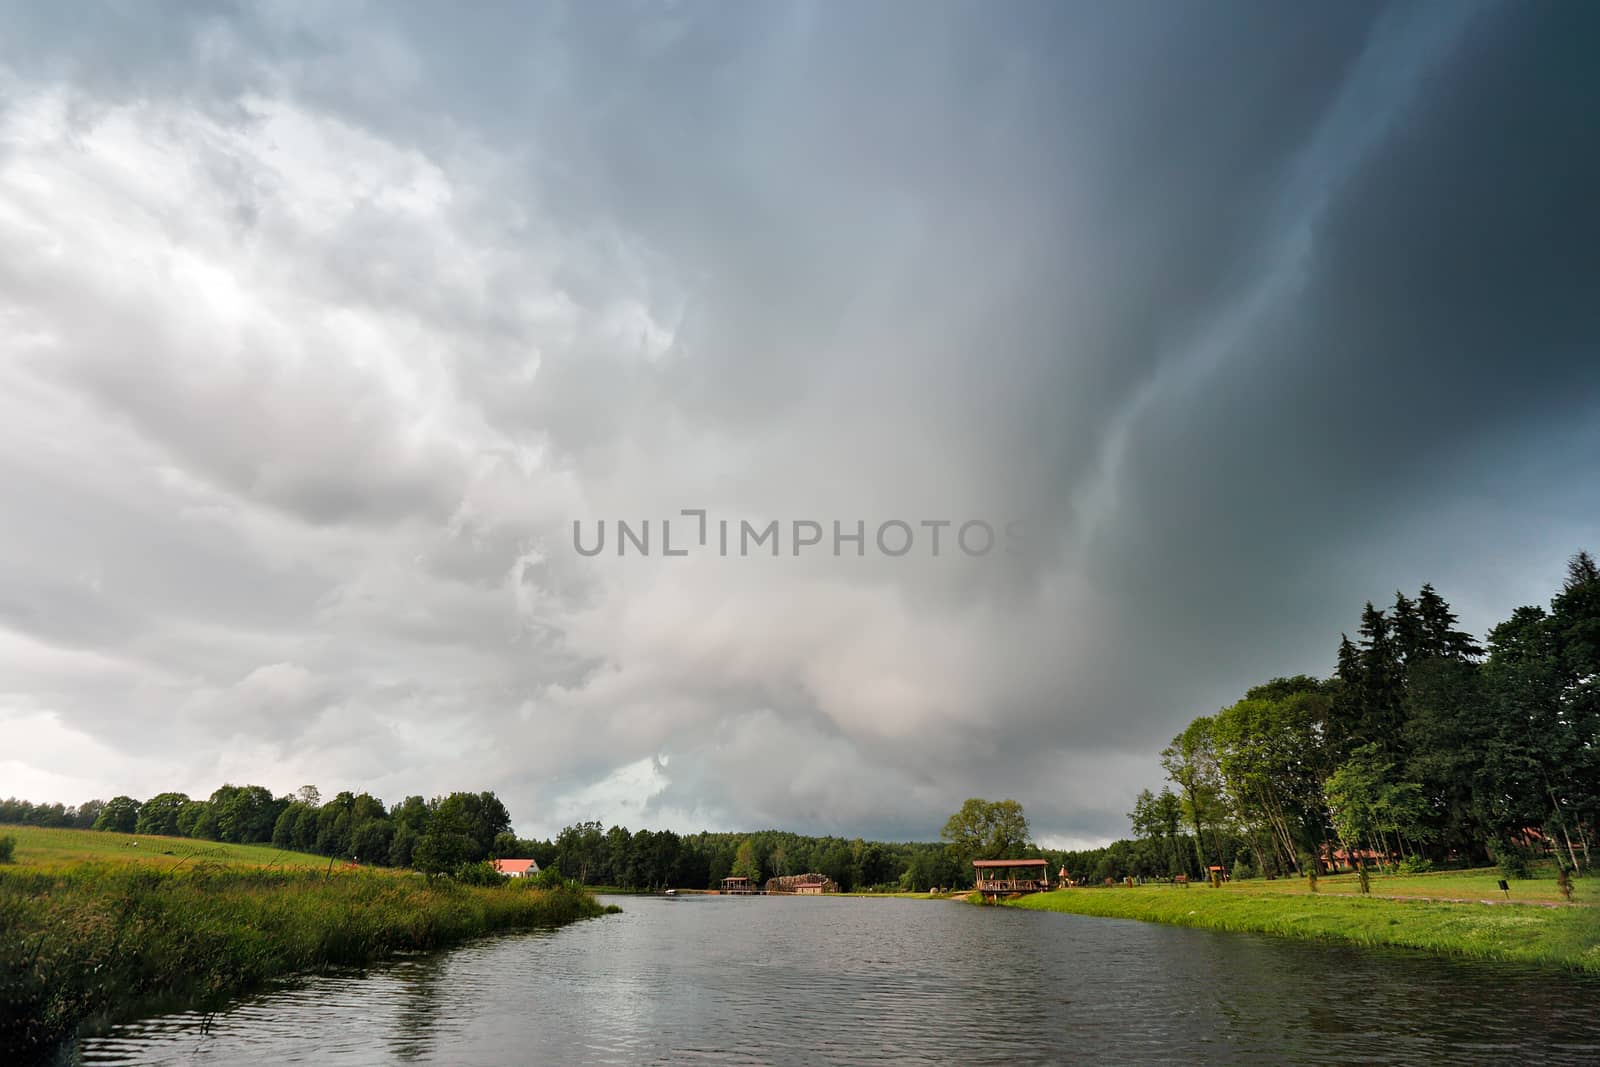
(1004, 878)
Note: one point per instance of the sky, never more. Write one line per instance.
(322, 325)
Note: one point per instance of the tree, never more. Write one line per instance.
(195, 819)
(159, 814)
(370, 841)
(402, 846)
(480, 816)
(579, 850)
(443, 852)
(120, 815)
(246, 813)
(1191, 763)
(744, 862)
(983, 829)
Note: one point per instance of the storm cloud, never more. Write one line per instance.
(320, 325)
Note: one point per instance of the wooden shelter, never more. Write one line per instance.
(1005, 878)
(802, 884)
(738, 886)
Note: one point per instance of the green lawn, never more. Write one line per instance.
(53, 849)
(1479, 884)
(1522, 932)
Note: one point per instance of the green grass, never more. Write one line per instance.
(104, 940)
(1479, 884)
(53, 849)
(1567, 937)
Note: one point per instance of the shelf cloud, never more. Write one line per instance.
(324, 325)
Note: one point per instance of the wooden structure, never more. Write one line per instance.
(738, 887)
(1009, 878)
(801, 884)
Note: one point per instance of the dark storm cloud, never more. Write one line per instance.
(1228, 302)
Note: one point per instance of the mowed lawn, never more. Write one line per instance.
(1480, 884)
(1410, 912)
(54, 849)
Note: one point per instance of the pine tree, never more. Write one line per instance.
(1581, 571)
(1439, 634)
(1344, 713)
(1408, 632)
(1383, 681)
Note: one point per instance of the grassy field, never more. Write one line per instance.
(86, 935)
(1525, 932)
(1481, 884)
(53, 849)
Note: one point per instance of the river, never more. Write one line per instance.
(787, 980)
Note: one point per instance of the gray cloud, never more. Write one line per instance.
(324, 324)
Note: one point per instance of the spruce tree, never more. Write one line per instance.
(1408, 632)
(1439, 634)
(1383, 681)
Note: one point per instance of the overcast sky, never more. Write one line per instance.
(320, 324)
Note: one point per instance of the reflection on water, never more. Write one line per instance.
(819, 980)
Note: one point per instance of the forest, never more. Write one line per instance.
(1424, 748)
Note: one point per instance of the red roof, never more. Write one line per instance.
(516, 866)
(1011, 863)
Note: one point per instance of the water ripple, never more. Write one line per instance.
(790, 981)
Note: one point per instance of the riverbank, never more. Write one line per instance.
(104, 941)
(1565, 936)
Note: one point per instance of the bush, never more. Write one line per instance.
(1242, 871)
(480, 873)
(1513, 860)
(8, 848)
(1414, 865)
(550, 878)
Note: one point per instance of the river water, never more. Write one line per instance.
(788, 980)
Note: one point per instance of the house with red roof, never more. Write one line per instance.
(517, 868)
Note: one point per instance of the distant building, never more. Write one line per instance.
(806, 884)
(517, 868)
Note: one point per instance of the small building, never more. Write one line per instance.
(738, 886)
(517, 868)
(804, 884)
(1007, 878)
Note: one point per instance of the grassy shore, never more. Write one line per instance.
(1413, 913)
(102, 940)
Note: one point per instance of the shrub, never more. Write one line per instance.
(480, 873)
(1414, 865)
(1242, 870)
(1513, 860)
(8, 848)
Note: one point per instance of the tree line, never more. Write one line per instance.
(448, 835)
(1423, 747)
(440, 836)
